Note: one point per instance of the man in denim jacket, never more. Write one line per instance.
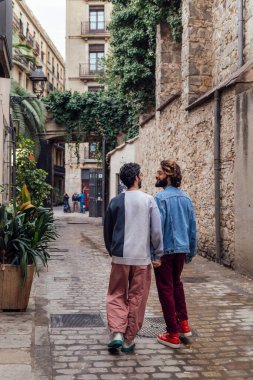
(179, 238)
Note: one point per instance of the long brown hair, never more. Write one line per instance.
(173, 171)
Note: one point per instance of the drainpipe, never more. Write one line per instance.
(240, 32)
(217, 126)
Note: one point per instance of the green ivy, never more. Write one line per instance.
(93, 113)
(131, 65)
(27, 172)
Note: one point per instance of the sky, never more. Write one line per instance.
(51, 15)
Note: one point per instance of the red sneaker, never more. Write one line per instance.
(185, 329)
(171, 340)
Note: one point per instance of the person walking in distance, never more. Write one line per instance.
(132, 229)
(179, 238)
(75, 202)
(81, 200)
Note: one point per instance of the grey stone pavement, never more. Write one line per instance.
(220, 304)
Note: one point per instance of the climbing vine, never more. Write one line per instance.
(129, 75)
(93, 113)
(131, 65)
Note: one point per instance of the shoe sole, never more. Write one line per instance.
(186, 334)
(168, 344)
(128, 349)
(115, 344)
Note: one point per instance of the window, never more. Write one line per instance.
(95, 88)
(96, 54)
(92, 150)
(27, 30)
(48, 57)
(97, 18)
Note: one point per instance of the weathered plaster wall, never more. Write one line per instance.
(120, 157)
(244, 184)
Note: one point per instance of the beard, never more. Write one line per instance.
(139, 184)
(161, 183)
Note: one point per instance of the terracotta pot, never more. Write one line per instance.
(13, 295)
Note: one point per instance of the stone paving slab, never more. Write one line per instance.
(220, 304)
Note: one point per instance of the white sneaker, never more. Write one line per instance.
(128, 346)
(117, 340)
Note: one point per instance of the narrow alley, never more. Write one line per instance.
(63, 334)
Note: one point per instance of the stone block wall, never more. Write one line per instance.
(187, 137)
(225, 39)
(248, 30)
(197, 62)
(227, 183)
(168, 65)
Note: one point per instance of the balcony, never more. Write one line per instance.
(95, 30)
(16, 23)
(36, 48)
(88, 71)
(29, 40)
(24, 64)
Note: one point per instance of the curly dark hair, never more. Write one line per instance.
(173, 171)
(128, 172)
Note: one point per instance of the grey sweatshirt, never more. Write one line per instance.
(132, 229)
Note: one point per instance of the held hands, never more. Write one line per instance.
(156, 264)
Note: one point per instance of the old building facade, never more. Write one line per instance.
(87, 43)
(204, 120)
(6, 146)
(30, 32)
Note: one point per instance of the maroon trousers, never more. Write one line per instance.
(171, 290)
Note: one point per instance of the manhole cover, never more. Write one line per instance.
(194, 280)
(153, 326)
(76, 320)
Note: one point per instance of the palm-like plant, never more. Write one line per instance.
(31, 114)
(24, 237)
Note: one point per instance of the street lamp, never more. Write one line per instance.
(38, 79)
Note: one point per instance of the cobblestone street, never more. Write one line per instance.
(220, 304)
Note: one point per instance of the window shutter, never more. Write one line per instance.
(96, 48)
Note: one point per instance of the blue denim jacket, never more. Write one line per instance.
(178, 222)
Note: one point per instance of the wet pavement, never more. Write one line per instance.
(42, 344)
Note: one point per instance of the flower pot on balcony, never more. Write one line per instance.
(14, 295)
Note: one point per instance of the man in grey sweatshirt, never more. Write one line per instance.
(132, 230)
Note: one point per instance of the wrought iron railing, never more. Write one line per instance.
(90, 70)
(96, 28)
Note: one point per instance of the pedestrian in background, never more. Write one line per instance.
(81, 201)
(75, 201)
(66, 206)
(179, 239)
(132, 227)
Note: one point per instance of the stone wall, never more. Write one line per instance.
(225, 39)
(197, 60)
(187, 137)
(248, 30)
(227, 183)
(168, 65)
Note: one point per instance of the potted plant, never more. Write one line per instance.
(24, 237)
